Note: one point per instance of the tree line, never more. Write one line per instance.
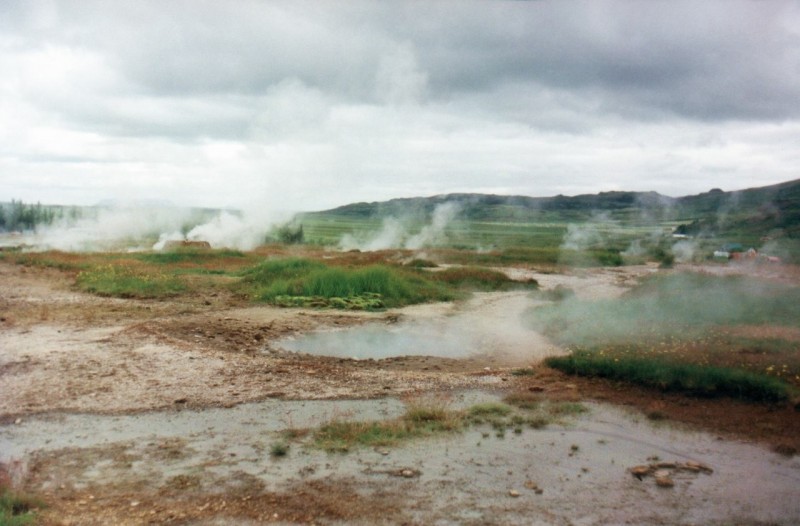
(18, 216)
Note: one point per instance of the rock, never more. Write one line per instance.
(513, 493)
(531, 485)
(640, 471)
(667, 465)
(692, 465)
(664, 482)
(408, 473)
(662, 473)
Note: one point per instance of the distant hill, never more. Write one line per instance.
(753, 211)
(769, 210)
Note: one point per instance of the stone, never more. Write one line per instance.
(662, 473)
(640, 471)
(664, 482)
(513, 493)
(698, 466)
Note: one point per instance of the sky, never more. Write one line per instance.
(310, 105)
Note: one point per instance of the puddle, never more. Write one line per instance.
(581, 467)
(490, 324)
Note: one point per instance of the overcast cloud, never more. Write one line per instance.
(310, 105)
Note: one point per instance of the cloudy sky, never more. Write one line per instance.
(310, 105)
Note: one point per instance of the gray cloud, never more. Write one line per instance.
(398, 98)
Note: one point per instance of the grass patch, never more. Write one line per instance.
(129, 282)
(421, 263)
(420, 420)
(432, 418)
(524, 400)
(17, 509)
(566, 409)
(305, 282)
(668, 376)
(479, 278)
(489, 409)
(194, 256)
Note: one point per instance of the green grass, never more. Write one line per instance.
(651, 371)
(188, 256)
(479, 278)
(489, 409)
(421, 263)
(435, 418)
(127, 282)
(418, 421)
(305, 282)
(17, 509)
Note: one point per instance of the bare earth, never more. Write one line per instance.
(67, 355)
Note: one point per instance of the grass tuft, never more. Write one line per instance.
(17, 509)
(420, 420)
(279, 449)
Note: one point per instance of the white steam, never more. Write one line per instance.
(395, 233)
(132, 227)
(226, 230)
(109, 229)
(684, 251)
(434, 233)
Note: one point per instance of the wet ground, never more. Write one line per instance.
(576, 471)
(136, 412)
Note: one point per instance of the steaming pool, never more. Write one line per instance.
(489, 324)
(378, 342)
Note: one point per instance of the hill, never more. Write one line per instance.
(771, 210)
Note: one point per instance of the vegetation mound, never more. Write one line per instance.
(304, 282)
(650, 371)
